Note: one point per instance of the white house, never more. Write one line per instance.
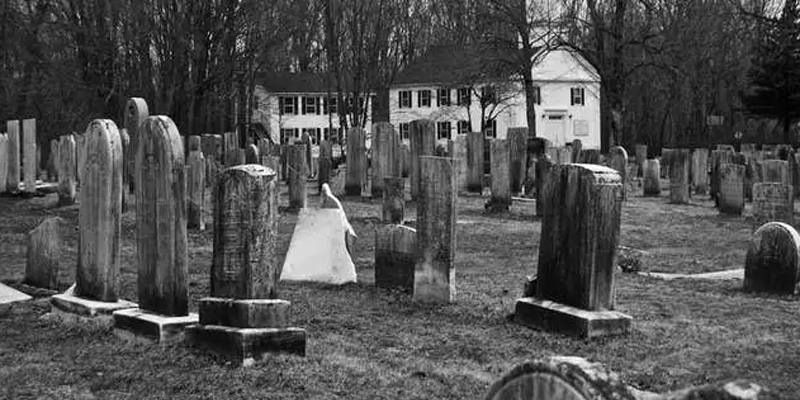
(568, 91)
(290, 104)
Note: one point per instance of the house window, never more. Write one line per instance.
(288, 135)
(576, 96)
(405, 99)
(490, 129)
(443, 97)
(537, 95)
(443, 130)
(331, 105)
(309, 105)
(288, 105)
(404, 128)
(463, 97)
(423, 98)
(463, 127)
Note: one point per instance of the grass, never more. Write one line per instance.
(369, 343)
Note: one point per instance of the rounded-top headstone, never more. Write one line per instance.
(136, 112)
(772, 263)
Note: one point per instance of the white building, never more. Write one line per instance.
(568, 91)
(290, 104)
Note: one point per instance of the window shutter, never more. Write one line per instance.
(400, 99)
(583, 98)
(572, 96)
(280, 105)
(419, 98)
(294, 102)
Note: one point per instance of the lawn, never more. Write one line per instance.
(365, 343)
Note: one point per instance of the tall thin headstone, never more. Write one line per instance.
(679, 176)
(126, 181)
(423, 143)
(700, 170)
(501, 184)
(772, 202)
(12, 130)
(3, 162)
(435, 272)
(518, 154)
(641, 156)
(393, 206)
(574, 291)
(395, 256)
(385, 155)
(296, 163)
(136, 111)
(66, 164)
(731, 189)
(243, 318)
(458, 149)
(251, 154)
(619, 162)
(29, 164)
(772, 263)
(325, 164)
(718, 157)
(652, 177)
(161, 240)
(475, 162)
(356, 161)
(196, 185)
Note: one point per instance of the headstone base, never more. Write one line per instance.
(70, 308)
(550, 316)
(137, 325)
(244, 346)
(244, 313)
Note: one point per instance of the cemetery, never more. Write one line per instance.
(157, 264)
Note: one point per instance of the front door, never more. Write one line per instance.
(555, 129)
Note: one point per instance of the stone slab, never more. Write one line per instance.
(10, 295)
(718, 275)
(137, 325)
(555, 317)
(70, 308)
(244, 346)
(244, 313)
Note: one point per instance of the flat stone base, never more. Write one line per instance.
(244, 313)
(141, 326)
(550, 316)
(72, 309)
(244, 346)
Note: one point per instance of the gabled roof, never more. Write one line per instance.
(300, 82)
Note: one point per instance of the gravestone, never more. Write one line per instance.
(564, 154)
(296, 161)
(13, 174)
(731, 189)
(590, 156)
(405, 157)
(395, 256)
(125, 139)
(80, 151)
(161, 245)
(641, 156)
(652, 177)
(772, 263)
(775, 171)
(99, 227)
(43, 261)
(475, 162)
(136, 111)
(501, 185)
(66, 164)
(543, 166)
(619, 162)
(772, 202)
(458, 149)
(3, 162)
(29, 163)
(385, 155)
(518, 154)
(234, 157)
(575, 282)
(211, 146)
(52, 174)
(356, 161)
(679, 176)
(325, 164)
(577, 152)
(700, 171)
(434, 272)
(423, 143)
(393, 205)
(243, 319)
(230, 142)
(718, 157)
(195, 185)
(252, 154)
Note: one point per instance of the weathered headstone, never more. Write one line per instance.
(3, 162)
(458, 149)
(80, 151)
(125, 139)
(731, 189)
(577, 152)
(161, 246)
(772, 202)
(773, 260)
(619, 162)
(325, 164)
(29, 164)
(518, 154)
(66, 164)
(543, 166)
(136, 111)
(794, 172)
(501, 185)
(700, 170)
(718, 157)
(297, 176)
(244, 319)
(679, 176)
(575, 281)
(405, 156)
(652, 177)
(13, 174)
(775, 171)
(52, 173)
(356, 161)
(423, 143)
(395, 256)
(305, 139)
(434, 272)
(251, 154)
(641, 156)
(43, 261)
(385, 155)
(196, 185)
(393, 206)
(475, 162)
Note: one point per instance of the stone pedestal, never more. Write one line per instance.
(73, 309)
(135, 324)
(556, 317)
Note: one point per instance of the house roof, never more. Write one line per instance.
(298, 82)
